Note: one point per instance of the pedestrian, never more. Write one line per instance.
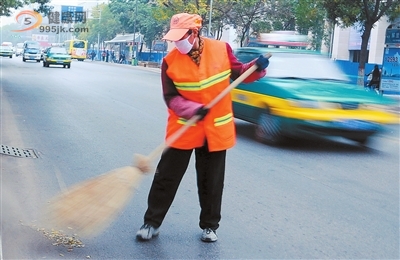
(93, 55)
(122, 57)
(103, 55)
(376, 77)
(112, 56)
(107, 55)
(193, 74)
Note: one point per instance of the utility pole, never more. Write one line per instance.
(209, 19)
(98, 35)
(134, 51)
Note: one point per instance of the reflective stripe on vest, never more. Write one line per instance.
(217, 121)
(197, 86)
(223, 119)
(183, 121)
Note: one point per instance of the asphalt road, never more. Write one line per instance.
(323, 199)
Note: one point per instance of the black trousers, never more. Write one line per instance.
(210, 169)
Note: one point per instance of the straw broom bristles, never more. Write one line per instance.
(89, 207)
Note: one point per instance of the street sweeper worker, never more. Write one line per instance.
(192, 75)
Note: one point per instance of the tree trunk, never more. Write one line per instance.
(242, 40)
(363, 53)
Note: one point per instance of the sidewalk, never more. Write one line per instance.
(127, 64)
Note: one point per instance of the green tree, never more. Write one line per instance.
(150, 28)
(124, 12)
(310, 18)
(280, 15)
(137, 16)
(168, 8)
(363, 14)
(7, 6)
(246, 13)
(222, 13)
(102, 27)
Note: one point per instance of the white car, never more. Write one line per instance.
(6, 51)
(19, 48)
(31, 51)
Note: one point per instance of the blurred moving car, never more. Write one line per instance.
(6, 51)
(305, 94)
(19, 47)
(56, 56)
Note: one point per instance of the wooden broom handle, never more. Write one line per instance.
(234, 84)
(195, 118)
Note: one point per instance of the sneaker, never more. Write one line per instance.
(209, 235)
(146, 232)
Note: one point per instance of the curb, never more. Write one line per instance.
(127, 65)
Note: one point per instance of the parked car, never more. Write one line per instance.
(56, 56)
(6, 51)
(305, 94)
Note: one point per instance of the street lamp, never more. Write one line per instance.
(134, 38)
(98, 31)
(98, 36)
(209, 19)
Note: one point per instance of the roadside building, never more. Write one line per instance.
(347, 43)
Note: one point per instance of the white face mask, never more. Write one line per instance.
(184, 46)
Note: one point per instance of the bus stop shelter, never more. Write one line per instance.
(125, 40)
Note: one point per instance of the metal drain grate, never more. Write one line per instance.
(14, 151)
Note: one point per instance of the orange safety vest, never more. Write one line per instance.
(202, 84)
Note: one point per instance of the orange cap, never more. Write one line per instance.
(180, 24)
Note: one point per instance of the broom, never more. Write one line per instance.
(87, 208)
